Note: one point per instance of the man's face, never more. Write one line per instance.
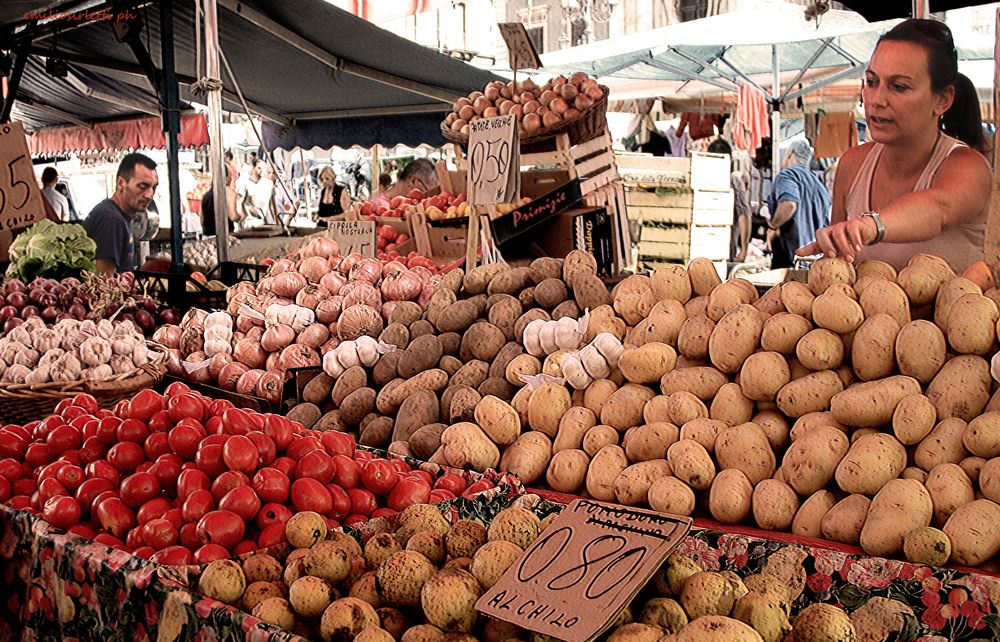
(138, 191)
(255, 174)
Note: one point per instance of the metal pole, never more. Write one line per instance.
(172, 127)
(14, 83)
(775, 117)
(216, 162)
(921, 8)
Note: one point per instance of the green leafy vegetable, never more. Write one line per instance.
(51, 250)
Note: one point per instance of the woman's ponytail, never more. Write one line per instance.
(963, 120)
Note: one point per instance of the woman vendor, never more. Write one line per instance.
(920, 186)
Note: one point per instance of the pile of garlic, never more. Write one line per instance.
(71, 350)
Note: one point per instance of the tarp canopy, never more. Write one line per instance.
(134, 133)
(297, 62)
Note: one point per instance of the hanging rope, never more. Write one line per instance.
(204, 84)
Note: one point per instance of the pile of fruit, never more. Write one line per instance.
(180, 478)
(535, 108)
(420, 581)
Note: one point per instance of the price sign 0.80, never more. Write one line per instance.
(584, 569)
(20, 198)
(493, 171)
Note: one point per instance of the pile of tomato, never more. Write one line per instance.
(179, 478)
(399, 206)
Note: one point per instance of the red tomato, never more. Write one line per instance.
(176, 388)
(109, 540)
(355, 519)
(214, 440)
(239, 453)
(175, 518)
(221, 527)
(92, 450)
(49, 488)
(39, 455)
(10, 468)
(242, 501)
(62, 512)
(63, 438)
(132, 430)
(189, 536)
(363, 501)
(338, 443)
(197, 504)
(160, 422)
(5, 489)
(139, 488)
(347, 473)
(361, 456)
(156, 444)
(228, 481)
(172, 556)
(285, 465)
(237, 422)
(210, 553)
(115, 517)
(107, 430)
(440, 495)
(317, 465)
(451, 482)
(244, 547)
(126, 456)
(144, 405)
(20, 502)
(210, 459)
(85, 401)
(400, 466)
(271, 485)
(266, 450)
(217, 407)
(159, 534)
(166, 472)
(133, 539)
(145, 552)
(12, 445)
(409, 491)
(270, 514)
(384, 512)
(71, 476)
(421, 474)
(191, 480)
(273, 535)
(379, 476)
(153, 509)
(309, 494)
(186, 405)
(214, 426)
(101, 468)
(89, 490)
(82, 530)
(279, 429)
(302, 445)
(341, 501)
(183, 440)
(144, 467)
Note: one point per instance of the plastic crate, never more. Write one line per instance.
(232, 272)
(184, 292)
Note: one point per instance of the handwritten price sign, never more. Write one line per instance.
(20, 198)
(522, 51)
(585, 568)
(354, 236)
(494, 173)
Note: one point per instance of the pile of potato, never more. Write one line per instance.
(420, 582)
(855, 407)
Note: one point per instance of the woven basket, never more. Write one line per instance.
(21, 403)
(588, 125)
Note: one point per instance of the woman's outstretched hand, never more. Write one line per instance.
(844, 239)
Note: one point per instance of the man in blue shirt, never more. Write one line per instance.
(799, 205)
(109, 223)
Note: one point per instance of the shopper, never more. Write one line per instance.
(740, 235)
(59, 202)
(208, 206)
(916, 188)
(418, 174)
(74, 216)
(333, 198)
(109, 223)
(799, 204)
(247, 206)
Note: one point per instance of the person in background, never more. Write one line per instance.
(231, 166)
(74, 216)
(246, 194)
(59, 203)
(741, 206)
(208, 207)
(418, 174)
(109, 223)
(920, 186)
(384, 181)
(333, 198)
(264, 196)
(799, 205)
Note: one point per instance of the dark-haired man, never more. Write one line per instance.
(420, 174)
(58, 202)
(109, 223)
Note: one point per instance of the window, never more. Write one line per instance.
(693, 9)
(578, 29)
(537, 37)
(534, 20)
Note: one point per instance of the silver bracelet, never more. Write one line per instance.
(879, 226)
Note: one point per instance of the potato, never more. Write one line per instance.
(623, 409)
(693, 336)
(577, 263)
(467, 446)
(870, 463)
(504, 311)
(811, 393)
(598, 437)
(670, 495)
(691, 464)
(972, 324)
(730, 405)
(820, 349)
(604, 468)
(782, 332)
(724, 298)
(826, 271)
(633, 298)
(730, 497)
(703, 430)
(949, 488)
(735, 338)
(913, 419)
(457, 317)
(528, 457)
(885, 297)
(590, 292)
(774, 505)
(877, 269)
(919, 283)
(872, 404)
(671, 282)
(462, 406)
(763, 374)
(572, 427)
(548, 403)
(745, 448)
(546, 268)
(522, 364)
(809, 517)
(811, 461)
(920, 350)
(703, 275)
(567, 471)
(647, 363)
(306, 414)
(901, 506)
(844, 521)
(928, 546)
(697, 306)
(942, 446)
(632, 484)
(974, 531)
(703, 382)
(650, 441)
(550, 293)
(498, 420)
(603, 319)
(950, 292)
(663, 324)
(982, 435)
(837, 312)
(797, 299)
(973, 466)
(873, 347)
(774, 425)
(961, 388)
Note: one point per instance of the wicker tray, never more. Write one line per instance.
(24, 402)
(258, 232)
(587, 126)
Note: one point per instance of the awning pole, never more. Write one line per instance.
(172, 126)
(13, 83)
(376, 184)
(216, 162)
(775, 117)
(921, 8)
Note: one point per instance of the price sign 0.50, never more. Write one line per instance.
(575, 579)
(494, 174)
(20, 198)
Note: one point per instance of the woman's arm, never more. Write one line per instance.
(345, 200)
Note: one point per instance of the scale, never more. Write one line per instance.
(145, 225)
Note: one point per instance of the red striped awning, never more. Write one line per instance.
(138, 133)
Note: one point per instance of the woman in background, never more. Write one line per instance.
(333, 198)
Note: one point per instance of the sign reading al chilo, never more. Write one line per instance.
(575, 579)
(531, 214)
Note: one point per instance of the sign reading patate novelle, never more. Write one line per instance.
(20, 198)
(523, 54)
(354, 237)
(494, 172)
(575, 579)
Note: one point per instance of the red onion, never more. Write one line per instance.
(329, 309)
(390, 267)
(245, 322)
(277, 337)
(361, 293)
(250, 352)
(359, 320)
(219, 361)
(298, 356)
(422, 271)
(243, 287)
(387, 309)
(288, 284)
(401, 286)
(330, 345)
(332, 280)
(314, 268)
(280, 266)
(310, 296)
(348, 262)
(230, 375)
(313, 336)
(247, 384)
(428, 290)
(168, 335)
(174, 358)
(367, 270)
(273, 359)
(270, 385)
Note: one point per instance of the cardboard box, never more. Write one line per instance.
(710, 171)
(713, 207)
(539, 210)
(580, 228)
